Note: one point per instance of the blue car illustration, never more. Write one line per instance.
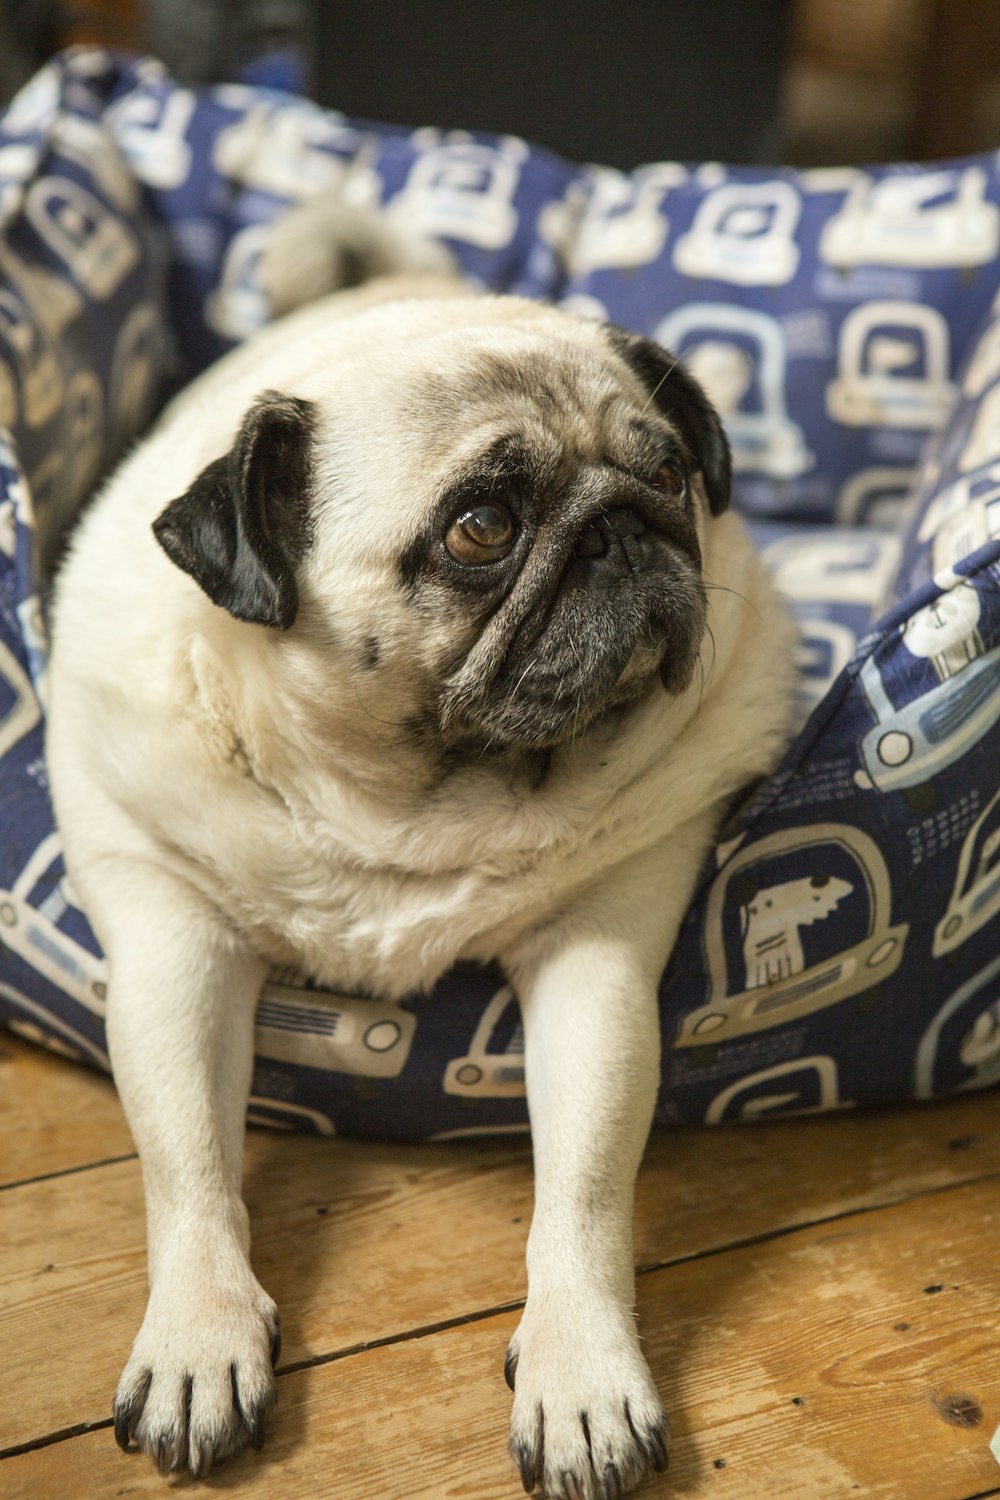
(910, 743)
(19, 707)
(281, 1114)
(343, 1033)
(40, 929)
(738, 355)
(960, 1049)
(494, 1065)
(975, 898)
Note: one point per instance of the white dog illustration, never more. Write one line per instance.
(946, 632)
(771, 918)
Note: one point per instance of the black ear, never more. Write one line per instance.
(244, 523)
(682, 401)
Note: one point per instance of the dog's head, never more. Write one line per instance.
(493, 509)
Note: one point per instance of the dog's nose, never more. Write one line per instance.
(619, 525)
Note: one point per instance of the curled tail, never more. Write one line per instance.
(326, 244)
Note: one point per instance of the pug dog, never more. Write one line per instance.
(417, 631)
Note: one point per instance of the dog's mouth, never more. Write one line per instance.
(625, 617)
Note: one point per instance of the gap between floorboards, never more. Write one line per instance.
(481, 1314)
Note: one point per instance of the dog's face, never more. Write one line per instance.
(494, 508)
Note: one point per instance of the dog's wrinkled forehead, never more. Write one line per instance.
(581, 397)
(558, 428)
(433, 395)
(598, 390)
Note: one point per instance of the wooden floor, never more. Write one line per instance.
(819, 1300)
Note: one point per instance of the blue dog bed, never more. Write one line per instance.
(842, 947)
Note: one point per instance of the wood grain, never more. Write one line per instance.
(54, 1115)
(359, 1241)
(833, 1360)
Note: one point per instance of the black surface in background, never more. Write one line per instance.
(640, 80)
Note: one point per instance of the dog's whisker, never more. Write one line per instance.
(659, 385)
(723, 588)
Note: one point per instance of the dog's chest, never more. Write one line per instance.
(383, 889)
(389, 912)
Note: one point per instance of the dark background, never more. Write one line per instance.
(622, 83)
(614, 81)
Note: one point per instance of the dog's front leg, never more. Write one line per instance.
(587, 1422)
(198, 1384)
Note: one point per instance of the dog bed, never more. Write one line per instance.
(843, 946)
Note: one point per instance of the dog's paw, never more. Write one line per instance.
(587, 1423)
(199, 1382)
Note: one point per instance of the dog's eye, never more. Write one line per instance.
(670, 477)
(483, 534)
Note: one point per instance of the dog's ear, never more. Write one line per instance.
(244, 523)
(680, 398)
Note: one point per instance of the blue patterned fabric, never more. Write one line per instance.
(842, 948)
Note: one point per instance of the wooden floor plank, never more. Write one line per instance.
(834, 1361)
(54, 1115)
(360, 1241)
